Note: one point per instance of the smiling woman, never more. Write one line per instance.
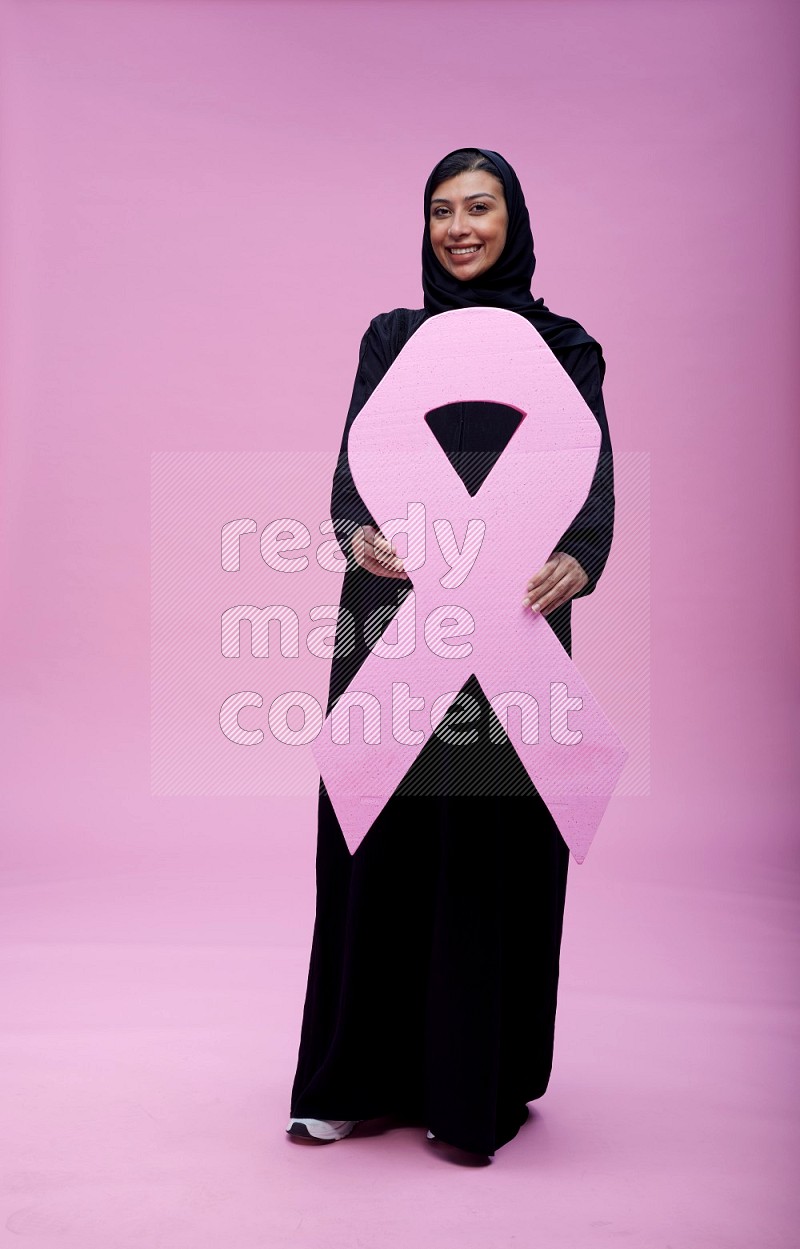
(434, 964)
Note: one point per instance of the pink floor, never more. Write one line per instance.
(152, 1026)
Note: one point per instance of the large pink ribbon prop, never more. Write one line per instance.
(527, 501)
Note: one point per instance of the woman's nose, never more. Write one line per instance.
(458, 227)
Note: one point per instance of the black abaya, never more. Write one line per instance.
(433, 976)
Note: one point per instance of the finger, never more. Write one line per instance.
(363, 546)
(554, 597)
(545, 575)
(390, 563)
(546, 570)
(385, 553)
(542, 584)
(377, 567)
(373, 566)
(389, 572)
(545, 611)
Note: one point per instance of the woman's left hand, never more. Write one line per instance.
(561, 577)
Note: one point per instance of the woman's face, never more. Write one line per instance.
(468, 223)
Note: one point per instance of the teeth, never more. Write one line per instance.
(462, 251)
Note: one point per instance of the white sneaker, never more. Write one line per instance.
(321, 1129)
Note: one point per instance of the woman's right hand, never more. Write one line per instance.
(372, 551)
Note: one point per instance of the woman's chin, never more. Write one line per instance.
(466, 273)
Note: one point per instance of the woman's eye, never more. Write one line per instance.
(483, 206)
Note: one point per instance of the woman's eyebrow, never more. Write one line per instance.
(477, 195)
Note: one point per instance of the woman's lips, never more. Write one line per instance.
(457, 254)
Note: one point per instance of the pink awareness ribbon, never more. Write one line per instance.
(527, 501)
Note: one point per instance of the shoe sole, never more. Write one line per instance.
(300, 1132)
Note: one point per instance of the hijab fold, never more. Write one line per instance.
(507, 284)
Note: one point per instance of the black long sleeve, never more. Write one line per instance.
(348, 509)
(588, 538)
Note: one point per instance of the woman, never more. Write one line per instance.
(433, 974)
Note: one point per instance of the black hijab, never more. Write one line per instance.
(507, 284)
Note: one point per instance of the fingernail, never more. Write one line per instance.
(535, 607)
(525, 602)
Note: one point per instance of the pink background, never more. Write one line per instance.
(202, 206)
